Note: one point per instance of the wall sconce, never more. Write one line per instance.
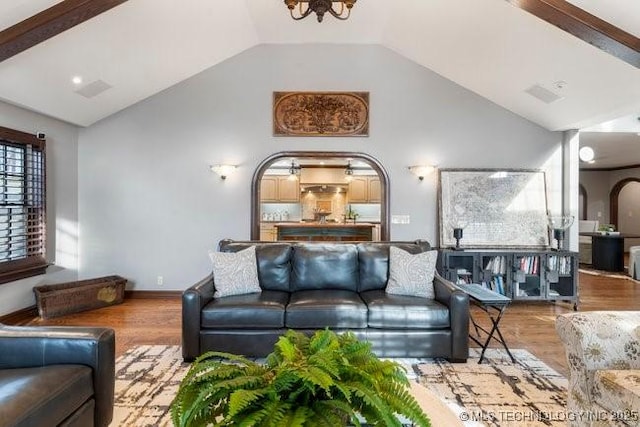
(421, 171)
(223, 170)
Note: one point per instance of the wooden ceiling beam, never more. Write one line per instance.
(585, 26)
(49, 23)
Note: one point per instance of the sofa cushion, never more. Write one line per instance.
(324, 266)
(373, 262)
(43, 395)
(262, 310)
(618, 391)
(404, 312)
(274, 262)
(326, 309)
(411, 274)
(235, 273)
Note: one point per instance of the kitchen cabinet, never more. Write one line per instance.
(268, 232)
(364, 189)
(269, 189)
(374, 189)
(279, 189)
(288, 190)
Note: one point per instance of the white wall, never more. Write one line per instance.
(62, 204)
(149, 206)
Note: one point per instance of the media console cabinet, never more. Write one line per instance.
(522, 275)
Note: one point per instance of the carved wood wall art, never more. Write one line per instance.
(321, 113)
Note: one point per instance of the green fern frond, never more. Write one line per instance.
(373, 408)
(318, 377)
(239, 400)
(296, 417)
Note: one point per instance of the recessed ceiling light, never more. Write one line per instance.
(76, 80)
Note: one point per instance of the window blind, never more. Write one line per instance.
(22, 205)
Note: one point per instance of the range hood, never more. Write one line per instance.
(324, 188)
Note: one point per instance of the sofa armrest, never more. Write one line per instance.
(25, 347)
(193, 299)
(594, 341)
(458, 303)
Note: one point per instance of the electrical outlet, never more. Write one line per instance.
(160, 280)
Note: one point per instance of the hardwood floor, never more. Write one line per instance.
(530, 326)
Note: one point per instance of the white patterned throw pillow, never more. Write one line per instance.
(235, 273)
(411, 274)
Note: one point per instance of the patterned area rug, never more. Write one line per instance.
(498, 392)
(495, 393)
(612, 274)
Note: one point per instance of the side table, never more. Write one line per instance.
(492, 303)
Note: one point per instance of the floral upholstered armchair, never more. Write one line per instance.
(603, 355)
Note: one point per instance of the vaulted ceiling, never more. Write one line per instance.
(491, 47)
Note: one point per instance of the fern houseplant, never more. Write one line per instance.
(324, 380)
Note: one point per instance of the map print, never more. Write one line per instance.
(495, 208)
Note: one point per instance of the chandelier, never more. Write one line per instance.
(320, 7)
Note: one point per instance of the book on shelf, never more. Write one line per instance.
(560, 263)
(497, 264)
(496, 284)
(530, 264)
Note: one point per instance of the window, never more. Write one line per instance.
(22, 205)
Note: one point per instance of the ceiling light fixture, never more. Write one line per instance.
(348, 171)
(586, 154)
(76, 80)
(294, 171)
(320, 7)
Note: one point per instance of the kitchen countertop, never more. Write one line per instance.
(323, 225)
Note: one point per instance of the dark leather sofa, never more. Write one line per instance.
(310, 286)
(56, 376)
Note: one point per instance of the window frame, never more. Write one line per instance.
(30, 265)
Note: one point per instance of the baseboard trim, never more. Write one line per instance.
(21, 316)
(152, 294)
(27, 314)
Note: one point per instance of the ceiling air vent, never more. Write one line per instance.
(544, 95)
(93, 89)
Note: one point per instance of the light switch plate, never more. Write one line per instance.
(400, 219)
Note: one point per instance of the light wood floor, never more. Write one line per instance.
(530, 326)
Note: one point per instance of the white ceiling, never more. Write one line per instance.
(487, 46)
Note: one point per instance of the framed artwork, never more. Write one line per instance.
(321, 113)
(496, 208)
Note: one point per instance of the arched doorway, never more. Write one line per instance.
(624, 208)
(614, 199)
(375, 165)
